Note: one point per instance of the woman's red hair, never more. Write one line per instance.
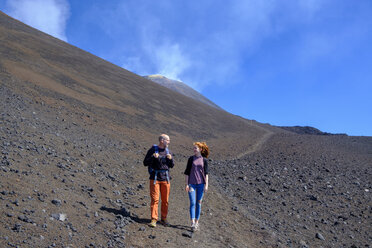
(204, 149)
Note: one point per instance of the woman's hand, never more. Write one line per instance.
(169, 156)
(187, 188)
(206, 187)
(155, 155)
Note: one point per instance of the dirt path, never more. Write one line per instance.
(221, 226)
(259, 144)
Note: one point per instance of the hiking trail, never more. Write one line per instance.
(218, 216)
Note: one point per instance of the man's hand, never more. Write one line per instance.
(155, 155)
(169, 156)
(206, 187)
(187, 188)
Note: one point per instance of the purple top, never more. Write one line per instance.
(197, 171)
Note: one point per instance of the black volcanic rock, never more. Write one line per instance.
(57, 202)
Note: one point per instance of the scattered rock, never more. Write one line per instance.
(319, 236)
(57, 202)
(26, 219)
(313, 198)
(60, 216)
(17, 227)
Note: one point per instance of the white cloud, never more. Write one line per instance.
(49, 16)
(215, 42)
(170, 61)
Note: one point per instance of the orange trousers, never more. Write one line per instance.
(162, 187)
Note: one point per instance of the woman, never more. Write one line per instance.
(196, 178)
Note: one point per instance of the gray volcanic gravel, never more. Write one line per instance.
(45, 161)
(310, 190)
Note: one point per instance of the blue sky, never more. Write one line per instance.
(286, 63)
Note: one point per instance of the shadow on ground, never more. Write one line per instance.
(125, 213)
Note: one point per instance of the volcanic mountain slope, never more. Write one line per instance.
(74, 130)
(43, 65)
(181, 88)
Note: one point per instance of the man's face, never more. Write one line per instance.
(166, 141)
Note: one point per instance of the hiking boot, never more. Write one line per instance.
(164, 222)
(153, 223)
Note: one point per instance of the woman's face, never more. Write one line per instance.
(196, 150)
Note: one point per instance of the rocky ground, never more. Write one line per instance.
(313, 191)
(53, 184)
(68, 180)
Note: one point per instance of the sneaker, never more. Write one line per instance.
(196, 228)
(153, 223)
(193, 227)
(164, 222)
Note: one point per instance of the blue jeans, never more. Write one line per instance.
(196, 192)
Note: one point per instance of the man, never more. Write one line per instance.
(159, 160)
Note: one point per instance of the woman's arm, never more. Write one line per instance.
(205, 168)
(187, 183)
(206, 183)
(187, 173)
(188, 166)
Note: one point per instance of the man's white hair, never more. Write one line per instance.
(163, 136)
